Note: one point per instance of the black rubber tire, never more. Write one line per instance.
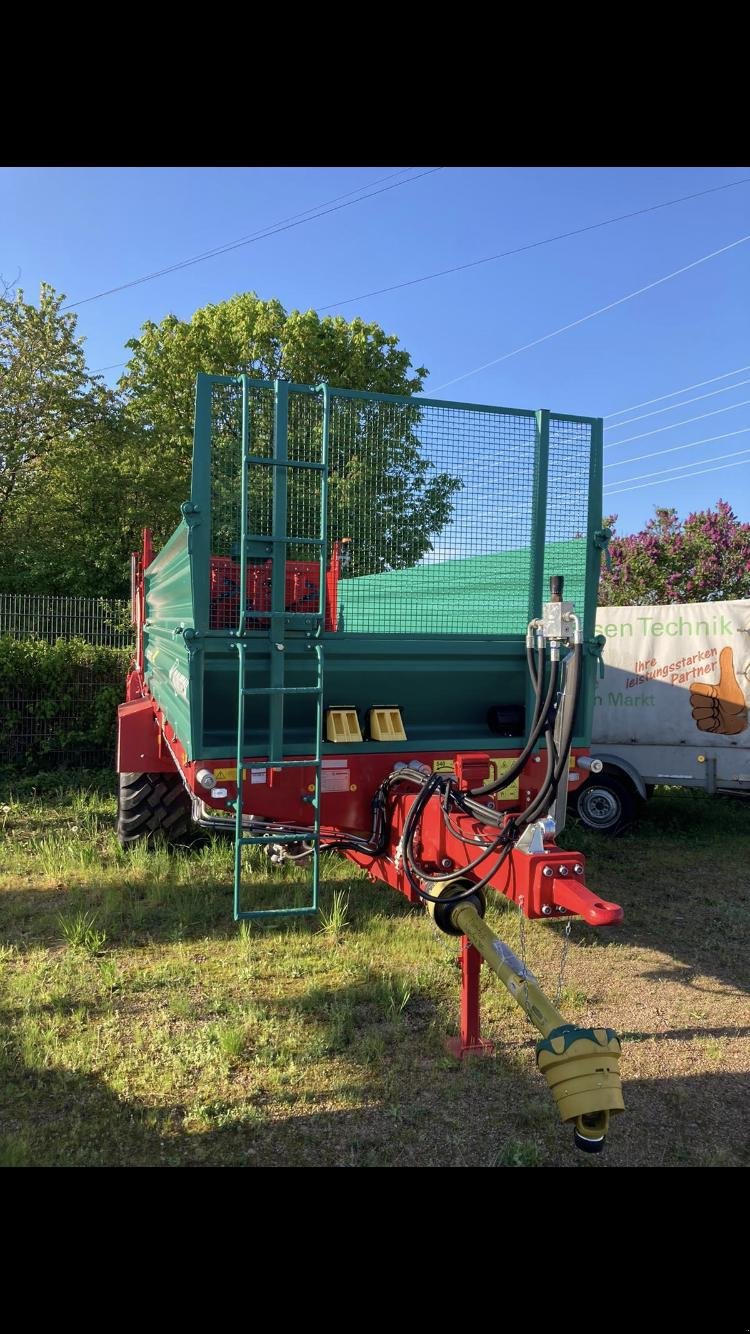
(153, 808)
(606, 805)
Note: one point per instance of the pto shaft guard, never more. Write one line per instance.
(582, 1069)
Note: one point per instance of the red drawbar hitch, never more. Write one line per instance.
(544, 883)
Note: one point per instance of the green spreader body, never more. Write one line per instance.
(394, 552)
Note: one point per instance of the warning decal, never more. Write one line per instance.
(501, 767)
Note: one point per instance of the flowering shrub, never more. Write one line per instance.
(700, 559)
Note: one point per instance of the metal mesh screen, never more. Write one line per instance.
(429, 511)
(68, 716)
(437, 503)
(77, 730)
(565, 539)
(103, 621)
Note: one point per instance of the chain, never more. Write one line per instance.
(563, 961)
(522, 944)
(563, 956)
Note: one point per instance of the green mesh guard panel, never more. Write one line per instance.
(444, 507)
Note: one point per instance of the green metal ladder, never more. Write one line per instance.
(279, 621)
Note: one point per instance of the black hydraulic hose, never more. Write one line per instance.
(533, 674)
(377, 843)
(373, 846)
(467, 893)
(547, 784)
(556, 763)
(507, 778)
(536, 676)
(474, 840)
(418, 805)
(532, 666)
(576, 681)
(435, 781)
(454, 875)
(536, 671)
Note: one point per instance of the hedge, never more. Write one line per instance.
(58, 702)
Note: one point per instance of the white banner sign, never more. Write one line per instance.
(674, 674)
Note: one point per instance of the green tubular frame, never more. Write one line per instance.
(180, 580)
(277, 690)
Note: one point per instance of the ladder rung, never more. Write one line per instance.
(282, 690)
(261, 537)
(274, 912)
(283, 463)
(260, 839)
(252, 614)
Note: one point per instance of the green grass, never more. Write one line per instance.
(146, 1027)
(334, 920)
(80, 931)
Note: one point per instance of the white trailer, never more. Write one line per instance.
(671, 706)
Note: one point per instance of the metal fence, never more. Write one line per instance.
(102, 621)
(58, 703)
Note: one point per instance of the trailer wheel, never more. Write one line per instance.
(152, 807)
(606, 805)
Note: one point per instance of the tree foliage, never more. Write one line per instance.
(702, 558)
(62, 479)
(84, 469)
(390, 483)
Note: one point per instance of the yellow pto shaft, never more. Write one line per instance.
(581, 1065)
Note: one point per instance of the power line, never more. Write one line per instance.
(685, 390)
(682, 478)
(674, 449)
(273, 229)
(727, 389)
(674, 425)
(733, 454)
(531, 245)
(592, 315)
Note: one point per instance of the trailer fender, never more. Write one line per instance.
(139, 741)
(625, 767)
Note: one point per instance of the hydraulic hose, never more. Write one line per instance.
(556, 762)
(413, 875)
(536, 674)
(507, 778)
(467, 893)
(548, 783)
(572, 692)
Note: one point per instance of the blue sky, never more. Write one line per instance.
(87, 229)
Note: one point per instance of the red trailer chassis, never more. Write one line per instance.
(542, 879)
(547, 883)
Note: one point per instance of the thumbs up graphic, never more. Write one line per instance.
(721, 707)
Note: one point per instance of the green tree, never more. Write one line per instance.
(71, 503)
(44, 390)
(699, 559)
(385, 492)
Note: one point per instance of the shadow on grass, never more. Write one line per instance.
(427, 1114)
(168, 897)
